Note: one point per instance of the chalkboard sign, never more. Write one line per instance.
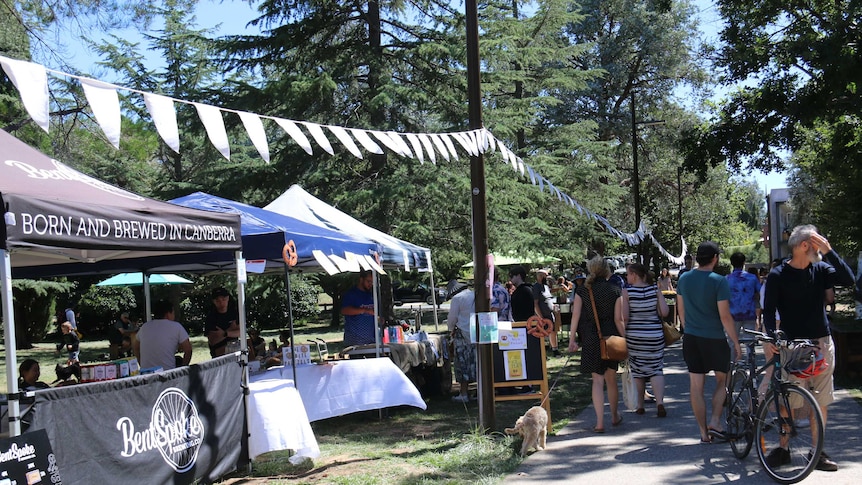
(28, 458)
(535, 360)
(536, 372)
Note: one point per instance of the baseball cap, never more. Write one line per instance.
(707, 249)
(220, 291)
(580, 276)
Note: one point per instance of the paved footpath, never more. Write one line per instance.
(646, 449)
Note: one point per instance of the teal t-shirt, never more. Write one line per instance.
(700, 292)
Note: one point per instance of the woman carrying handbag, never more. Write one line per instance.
(602, 295)
(643, 307)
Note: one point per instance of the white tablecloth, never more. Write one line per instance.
(277, 418)
(347, 386)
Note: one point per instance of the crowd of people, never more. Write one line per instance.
(713, 312)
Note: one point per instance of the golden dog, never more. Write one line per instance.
(532, 426)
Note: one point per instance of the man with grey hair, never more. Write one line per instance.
(796, 289)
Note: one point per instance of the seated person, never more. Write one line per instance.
(125, 347)
(29, 374)
(121, 329)
(70, 341)
(272, 357)
(284, 338)
(256, 344)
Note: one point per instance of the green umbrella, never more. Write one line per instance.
(137, 279)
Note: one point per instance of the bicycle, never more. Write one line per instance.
(787, 452)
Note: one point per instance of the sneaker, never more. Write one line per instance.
(825, 463)
(460, 398)
(778, 457)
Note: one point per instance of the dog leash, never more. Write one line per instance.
(559, 373)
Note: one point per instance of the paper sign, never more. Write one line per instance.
(514, 362)
(487, 328)
(513, 339)
(255, 265)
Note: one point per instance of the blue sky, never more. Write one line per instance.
(232, 16)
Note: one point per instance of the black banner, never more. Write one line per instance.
(174, 427)
(28, 459)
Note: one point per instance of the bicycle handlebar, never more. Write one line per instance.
(780, 339)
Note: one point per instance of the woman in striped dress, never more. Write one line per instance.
(643, 307)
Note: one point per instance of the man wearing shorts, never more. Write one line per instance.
(796, 289)
(704, 311)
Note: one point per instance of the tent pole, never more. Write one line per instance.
(241, 276)
(148, 297)
(9, 328)
(433, 294)
(376, 288)
(290, 319)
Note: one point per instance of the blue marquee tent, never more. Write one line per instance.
(265, 235)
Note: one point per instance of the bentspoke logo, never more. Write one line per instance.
(175, 429)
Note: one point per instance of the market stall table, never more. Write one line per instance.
(277, 418)
(342, 387)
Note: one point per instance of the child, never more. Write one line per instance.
(70, 340)
(273, 356)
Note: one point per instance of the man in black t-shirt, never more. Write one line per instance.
(222, 324)
(796, 289)
(522, 297)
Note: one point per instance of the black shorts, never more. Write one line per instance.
(703, 354)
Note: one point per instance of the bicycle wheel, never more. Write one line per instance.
(737, 414)
(787, 452)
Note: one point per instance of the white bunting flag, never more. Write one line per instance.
(345, 140)
(214, 125)
(296, 134)
(388, 142)
(106, 107)
(405, 148)
(491, 140)
(429, 147)
(464, 141)
(417, 146)
(31, 80)
(257, 135)
(366, 141)
(441, 147)
(449, 145)
(317, 133)
(164, 116)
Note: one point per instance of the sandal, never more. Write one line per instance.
(617, 422)
(598, 430)
(717, 434)
(705, 442)
(662, 412)
(640, 411)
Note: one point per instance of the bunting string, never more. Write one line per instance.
(31, 80)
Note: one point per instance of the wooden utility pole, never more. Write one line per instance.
(485, 372)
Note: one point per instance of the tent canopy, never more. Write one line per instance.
(265, 235)
(56, 215)
(511, 258)
(298, 203)
(137, 279)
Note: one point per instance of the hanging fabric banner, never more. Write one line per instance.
(254, 127)
(164, 116)
(214, 125)
(106, 107)
(31, 80)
